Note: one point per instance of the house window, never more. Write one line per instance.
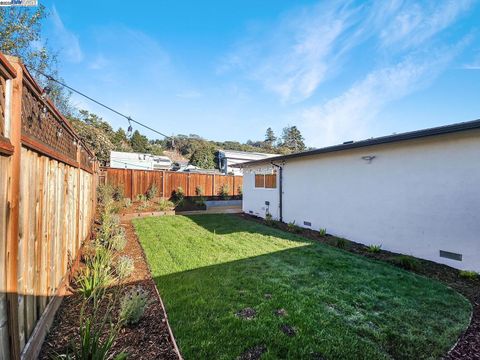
(268, 181)
(259, 180)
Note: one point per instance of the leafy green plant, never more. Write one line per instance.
(119, 240)
(165, 204)
(125, 267)
(127, 202)
(200, 200)
(178, 195)
(268, 219)
(240, 190)
(144, 205)
(117, 193)
(322, 232)
(133, 305)
(140, 197)
(374, 249)
(93, 344)
(407, 262)
(294, 228)
(468, 274)
(96, 275)
(224, 192)
(151, 192)
(104, 192)
(341, 243)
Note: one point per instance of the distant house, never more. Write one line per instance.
(138, 161)
(414, 193)
(228, 158)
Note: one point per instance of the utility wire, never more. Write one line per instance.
(49, 77)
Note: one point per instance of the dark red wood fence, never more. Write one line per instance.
(137, 182)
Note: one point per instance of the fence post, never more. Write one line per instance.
(14, 204)
(233, 190)
(213, 185)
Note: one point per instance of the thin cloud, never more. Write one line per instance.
(67, 40)
(414, 23)
(189, 94)
(348, 116)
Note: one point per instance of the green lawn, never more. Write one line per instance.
(340, 305)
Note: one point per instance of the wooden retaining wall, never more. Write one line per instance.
(47, 201)
(137, 182)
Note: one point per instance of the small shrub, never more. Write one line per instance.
(293, 228)
(200, 200)
(151, 192)
(104, 193)
(110, 225)
(125, 267)
(374, 249)
(224, 192)
(117, 193)
(268, 219)
(406, 262)
(92, 344)
(341, 243)
(468, 274)
(165, 205)
(322, 232)
(144, 205)
(96, 275)
(133, 305)
(127, 202)
(240, 190)
(119, 240)
(178, 195)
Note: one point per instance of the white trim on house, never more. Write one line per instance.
(417, 196)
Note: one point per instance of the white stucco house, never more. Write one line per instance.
(228, 159)
(416, 193)
(139, 161)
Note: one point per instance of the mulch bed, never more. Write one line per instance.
(149, 339)
(468, 345)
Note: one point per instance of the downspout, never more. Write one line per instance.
(280, 188)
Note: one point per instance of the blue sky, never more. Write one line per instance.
(227, 70)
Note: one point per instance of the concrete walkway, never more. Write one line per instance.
(213, 210)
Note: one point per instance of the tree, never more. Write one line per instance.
(292, 139)
(203, 156)
(270, 137)
(93, 131)
(20, 35)
(139, 142)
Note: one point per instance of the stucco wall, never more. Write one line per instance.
(416, 197)
(253, 201)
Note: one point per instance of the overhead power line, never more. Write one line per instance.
(129, 119)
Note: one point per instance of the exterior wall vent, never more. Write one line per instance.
(450, 255)
(250, 211)
(307, 223)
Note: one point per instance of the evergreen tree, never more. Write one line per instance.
(292, 139)
(139, 142)
(270, 138)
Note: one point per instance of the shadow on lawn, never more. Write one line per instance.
(340, 305)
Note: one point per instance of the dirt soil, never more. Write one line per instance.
(149, 339)
(468, 345)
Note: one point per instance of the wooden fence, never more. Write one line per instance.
(137, 182)
(47, 201)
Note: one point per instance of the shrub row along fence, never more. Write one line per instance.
(137, 182)
(47, 201)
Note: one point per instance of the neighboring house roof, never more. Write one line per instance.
(441, 130)
(245, 155)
